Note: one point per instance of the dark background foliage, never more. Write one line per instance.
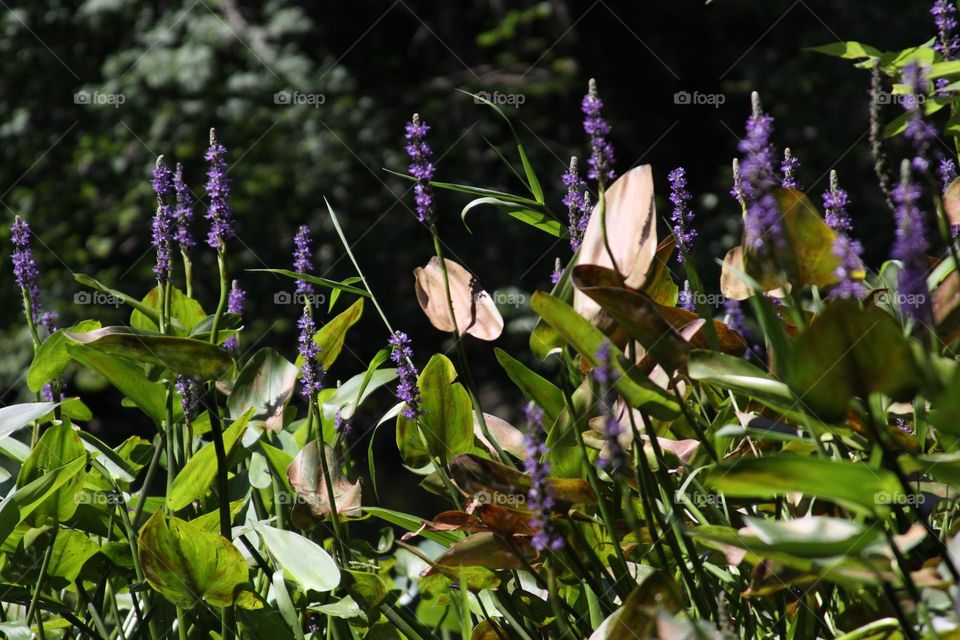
(79, 172)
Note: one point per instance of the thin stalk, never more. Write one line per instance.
(44, 566)
(224, 292)
(327, 480)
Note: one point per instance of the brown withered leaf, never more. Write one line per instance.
(496, 483)
(475, 312)
(486, 550)
(306, 477)
(449, 521)
(503, 520)
(507, 436)
(631, 233)
(951, 202)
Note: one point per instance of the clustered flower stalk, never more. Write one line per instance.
(183, 216)
(764, 231)
(220, 216)
(910, 246)
(918, 130)
(236, 304)
(613, 457)
(846, 249)
(407, 390)
(789, 168)
(421, 167)
(601, 151)
(303, 262)
(540, 499)
(682, 216)
(947, 44)
(577, 201)
(876, 139)
(27, 276)
(162, 222)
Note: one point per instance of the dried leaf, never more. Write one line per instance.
(475, 312)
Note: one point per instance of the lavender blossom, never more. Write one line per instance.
(407, 389)
(764, 232)
(604, 373)
(219, 212)
(421, 168)
(188, 390)
(910, 246)
(163, 221)
(682, 216)
(540, 499)
(944, 14)
(845, 249)
(918, 131)
(236, 301)
(789, 168)
(577, 202)
(601, 151)
(557, 273)
(686, 299)
(311, 371)
(737, 189)
(25, 268)
(948, 173)
(302, 262)
(183, 214)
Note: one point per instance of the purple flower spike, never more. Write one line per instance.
(407, 389)
(421, 167)
(577, 202)
(163, 221)
(219, 212)
(302, 262)
(789, 168)
(540, 499)
(613, 456)
(311, 372)
(236, 302)
(918, 131)
(682, 216)
(944, 14)
(25, 268)
(910, 246)
(601, 151)
(764, 232)
(557, 273)
(188, 390)
(183, 214)
(845, 249)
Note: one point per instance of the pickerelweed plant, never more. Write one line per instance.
(774, 458)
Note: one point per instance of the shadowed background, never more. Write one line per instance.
(91, 92)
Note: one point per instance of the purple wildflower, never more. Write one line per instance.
(218, 190)
(764, 232)
(613, 456)
(918, 131)
(540, 499)
(183, 214)
(686, 299)
(24, 267)
(557, 273)
(311, 372)
(577, 201)
(188, 390)
(407, 389)
(601, 151)
(910, 246)
(162, 221)
(236, 301)
(682, 216)
(342, 425)
(421, 167)
(948, 173)
(944, 14)
(737, 189)
(302, 262)
(845, 248)
(789, 168)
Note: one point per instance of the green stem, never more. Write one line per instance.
(32, 609)
(224, 293)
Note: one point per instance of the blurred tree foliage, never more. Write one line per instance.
(78, 171)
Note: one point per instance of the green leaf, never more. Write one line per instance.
(849, 484)
(188, 564)
(534, 387)
(301, 559)
(129, 378)
(265, 384)
(185, 313)
(71, 550)
(93, 283)
(354, 391)
(848, 351)
(736, 374)
(446, 427)
(186, 356)
(59, 445)
(332, 335)
(476, 191)
(194, 479)
(16, 508)
(536, 219)
(52, 356)
(814, 536)
(413, 523)
(586, 339)
(848, 50)
(16, 416)
(321, 282)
